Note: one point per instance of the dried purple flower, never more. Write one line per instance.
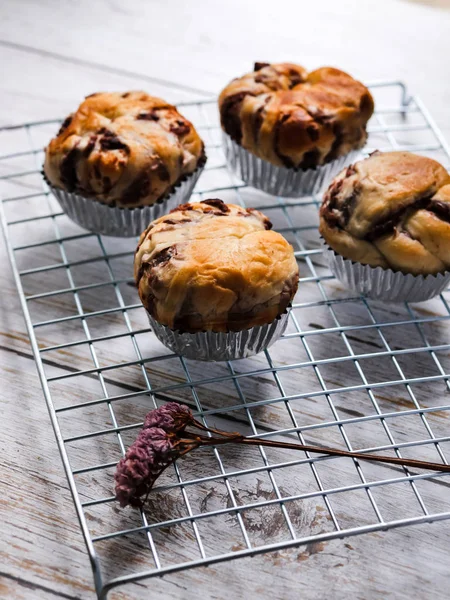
(172, 417)
(157, 446)
(161, 441)
(144, 461)
(164, 438)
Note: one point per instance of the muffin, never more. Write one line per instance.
(215, 280)
(122, 160)
(287, 131)
(386, 221)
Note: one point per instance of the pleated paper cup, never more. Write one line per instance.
(280, 181)
(122, 222)
(212, 346)
(386, 284)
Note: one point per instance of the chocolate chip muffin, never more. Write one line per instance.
(124, 150)
(293, 120)
(392, 211)
(214, 267)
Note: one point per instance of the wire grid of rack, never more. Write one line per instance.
(348, 372)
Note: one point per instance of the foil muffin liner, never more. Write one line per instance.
(122, 222)
(386, 284)
(280, 181)
(212, 346)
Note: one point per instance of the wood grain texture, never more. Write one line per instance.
(48, 66)
(207, 44)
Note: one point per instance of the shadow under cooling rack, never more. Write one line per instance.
(349, 373)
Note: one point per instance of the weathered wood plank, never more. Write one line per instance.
(45, 547)
(200, 39)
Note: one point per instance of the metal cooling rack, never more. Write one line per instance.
(101, 370)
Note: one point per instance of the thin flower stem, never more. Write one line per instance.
(211, 441)
(234, 437)
(404, 462)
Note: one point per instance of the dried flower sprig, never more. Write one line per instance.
(164, 438)
(161, 441)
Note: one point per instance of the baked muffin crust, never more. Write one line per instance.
(125, 149)
(295, 119)
(211, 266)
(390, 210)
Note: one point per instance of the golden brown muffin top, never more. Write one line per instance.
(124, 149)
(214, 266)
(293, 118)
(390, 210)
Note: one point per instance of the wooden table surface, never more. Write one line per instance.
(52, 53)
